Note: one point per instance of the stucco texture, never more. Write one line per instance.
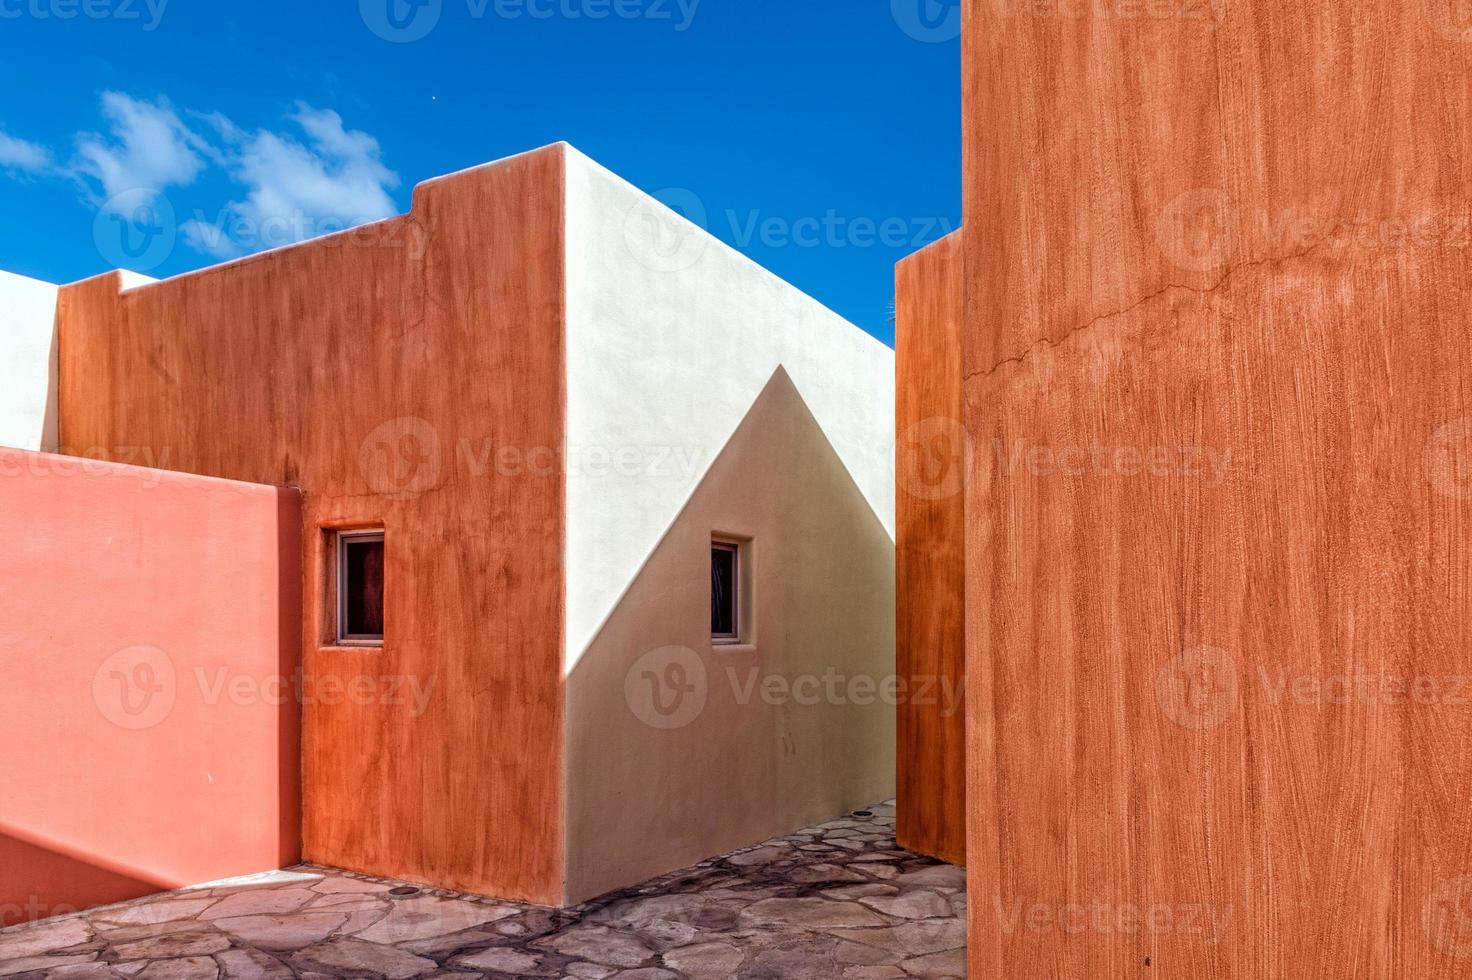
(382, 371)
(1216, 356)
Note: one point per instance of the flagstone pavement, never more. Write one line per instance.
(839, 900)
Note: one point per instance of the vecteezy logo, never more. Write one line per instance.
(135, 688)
(931, 21)
(135, 229)
(401, 458)
(667, 233)
(1198, 230)
(401, 21)
(1200, 689)
(667, 688)
(1452, 19)
(1449, 460)
(1448, 917)
(934, 456)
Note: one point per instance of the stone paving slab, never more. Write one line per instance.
(840, 900)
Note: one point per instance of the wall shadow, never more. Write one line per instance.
(38, 881)
(51, 421)
(290, 598)
(678, 749)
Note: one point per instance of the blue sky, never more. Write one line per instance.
(821, 138)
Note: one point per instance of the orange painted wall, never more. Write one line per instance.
(1217, 294)
(930, 466)
(409, 374)
(151, 741)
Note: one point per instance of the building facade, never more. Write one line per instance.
(1214, 378)
(601, 489)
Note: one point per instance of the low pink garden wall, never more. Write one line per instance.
(150, 629)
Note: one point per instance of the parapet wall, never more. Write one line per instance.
(151, 632)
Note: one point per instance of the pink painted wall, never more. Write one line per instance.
(150, 625)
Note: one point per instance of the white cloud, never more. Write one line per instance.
(221, 124)
(149, 147)
(18, 154)
(211, 238)
(297, 189)
(340, 176)
(315, 178)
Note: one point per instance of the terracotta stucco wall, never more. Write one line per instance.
(1217, 315)
(149, 631)
(409, 374)
(930, 459)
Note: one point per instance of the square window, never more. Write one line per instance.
(360, 587)
(725, 592)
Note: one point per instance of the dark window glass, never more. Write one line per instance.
(723, 591)
(363, 588)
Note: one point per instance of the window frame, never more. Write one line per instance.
(343, 539)
(737, 588)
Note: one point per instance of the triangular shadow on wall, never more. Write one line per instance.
(649, 793)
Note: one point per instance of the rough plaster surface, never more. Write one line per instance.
(1217, 373)
(930, 556)
(371, 369)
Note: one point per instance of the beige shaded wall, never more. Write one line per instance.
(721, 770)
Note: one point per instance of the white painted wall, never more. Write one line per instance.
(134, 280)
(705, 395)
(671, 335)
(28, 417)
